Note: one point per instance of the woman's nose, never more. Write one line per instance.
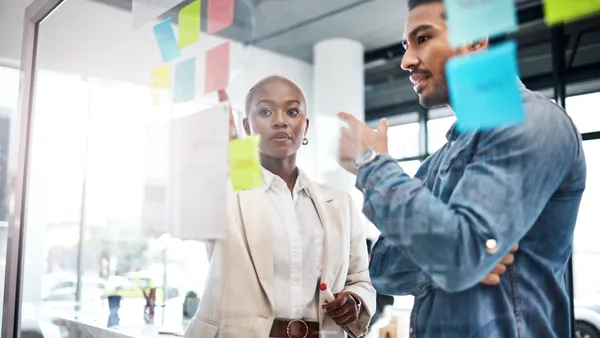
(280, 120)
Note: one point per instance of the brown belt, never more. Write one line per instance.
(294, 329)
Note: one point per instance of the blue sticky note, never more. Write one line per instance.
(165, 37)
(185, 81)
(484, 88)
(473, 20)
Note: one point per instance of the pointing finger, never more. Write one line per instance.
(223, 97)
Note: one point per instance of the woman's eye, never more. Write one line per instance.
(293, 112)
(422, 39)
(265, 112)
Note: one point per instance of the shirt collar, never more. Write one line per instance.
(452, 134)
(271, 179)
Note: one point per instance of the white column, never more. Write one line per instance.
(338, 85)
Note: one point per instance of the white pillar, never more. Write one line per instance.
(338, 85)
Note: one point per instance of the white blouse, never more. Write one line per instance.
(298, 248)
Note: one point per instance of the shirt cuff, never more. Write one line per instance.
(370, 174)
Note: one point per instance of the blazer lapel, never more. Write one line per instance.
(331, 221)
(259, 236)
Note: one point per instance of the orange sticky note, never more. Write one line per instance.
(217, 68)
(220, 15)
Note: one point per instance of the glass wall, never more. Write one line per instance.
(9, 139)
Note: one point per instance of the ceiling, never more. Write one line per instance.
(293, 27)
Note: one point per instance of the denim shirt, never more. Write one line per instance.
(443, 231)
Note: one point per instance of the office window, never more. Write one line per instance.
(9, 130)
(403, 140)
(436, 132)
(410, 167)
(583, 109)
(586, 250)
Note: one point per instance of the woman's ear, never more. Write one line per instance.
(246, 125)
(307, 125)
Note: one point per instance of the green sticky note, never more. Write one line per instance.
(244, 163)
(189, 24)
(558, 11)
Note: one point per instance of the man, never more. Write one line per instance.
(469, 203)
(382, 301)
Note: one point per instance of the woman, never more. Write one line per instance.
(284, 240)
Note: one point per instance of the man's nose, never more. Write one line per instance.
(409, 60)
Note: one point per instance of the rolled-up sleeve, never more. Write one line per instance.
(499, 196)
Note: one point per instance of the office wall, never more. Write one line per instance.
(100, 30)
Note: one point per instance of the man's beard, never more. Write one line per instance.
(438, 96)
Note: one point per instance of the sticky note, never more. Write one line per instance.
(220, 15)
(189, 24)
(161, 77)
(217, 68)
(473, 20)
(557, 11)
(145, 11)
(244, 163)
(484, 88)
(165, 37)
(160, 80)
(185, 81)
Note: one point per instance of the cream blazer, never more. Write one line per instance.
(237, 301)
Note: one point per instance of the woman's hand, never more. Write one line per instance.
(232, 129)
(493, 278)
(343, 310)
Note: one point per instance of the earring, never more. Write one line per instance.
(304, 141)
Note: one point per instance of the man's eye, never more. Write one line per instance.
(265, 112)
(422, 39)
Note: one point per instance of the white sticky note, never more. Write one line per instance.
(147, 11)
(199, 174)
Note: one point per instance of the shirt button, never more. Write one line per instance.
(451, 143)
(411, 330)
(491, 245)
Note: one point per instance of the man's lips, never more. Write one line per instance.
(419, 82)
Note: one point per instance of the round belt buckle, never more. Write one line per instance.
(297, 321)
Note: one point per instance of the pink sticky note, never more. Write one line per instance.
(217, 68)
(220, 15)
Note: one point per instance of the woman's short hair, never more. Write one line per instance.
(270, 78)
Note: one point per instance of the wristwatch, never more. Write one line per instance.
(364, 157)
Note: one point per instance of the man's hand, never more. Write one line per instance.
(232, 129)
(357, 137)
(343, 310)
(493, 278)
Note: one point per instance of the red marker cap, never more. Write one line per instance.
(323, 286)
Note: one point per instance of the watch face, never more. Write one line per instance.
(364, 156)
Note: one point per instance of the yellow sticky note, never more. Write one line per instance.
(189, 24)
(244, 163)
(558, 11)
(161, 77)
(160, 82)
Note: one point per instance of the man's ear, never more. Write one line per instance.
(479, 46)
(246, 125)
(474, 47)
